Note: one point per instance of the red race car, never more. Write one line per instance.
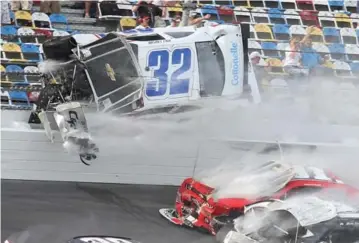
(209, 208)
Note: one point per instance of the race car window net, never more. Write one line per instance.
(211, 68)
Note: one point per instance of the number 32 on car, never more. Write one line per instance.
(172, 73)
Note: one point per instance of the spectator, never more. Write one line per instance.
(175, 22)
(146, 8)
(144, 23)
(21, 5)
(91, 8)
(49, 7)
(260, 71)
(5, 13)
(292, 61)
(193, 20)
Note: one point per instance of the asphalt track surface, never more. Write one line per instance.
(53, 212)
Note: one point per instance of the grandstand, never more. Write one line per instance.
(272, 24)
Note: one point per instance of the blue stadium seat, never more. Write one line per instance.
(210, 10)
(270, 49)
(276, 16)
(331, 35)
(9, 33)
(59, 19)
(15, 74)
(336, 4)
(19, 98)
(281, 31)
(31, 52)
(337, 51)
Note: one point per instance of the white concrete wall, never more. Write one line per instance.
(29, 155)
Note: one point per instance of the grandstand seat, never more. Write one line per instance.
(12, 51)
(254, 46)
(19, 98)
(321, 49)
(226, 13)
(326, 19)
(241, 3)
(292, 17)
(5, 97)
(3, 77)
(305, 4)
(282, 48)
(59, 33)
(343, 20)
(281, 32)
(355, 68)
(348, 36)
(31, 52)
(272, 4)
(297, 31)
(309, 17)
(26, 35)
(256, 3)
(59, 21)
(205, 2)
(32, 75)
(337, 51)
(15, 74)
(352, 52)
(8, 33)
(42, 35)
(317, 35)
(263, 32)
(259, 15)
(270, 49)
(23, 19)
(41, 20)
(288, 4)
(331, 35)
(350, 5)
(276, 66)
(113, 10)
(321, 5)
(242, 15)
(211, 11)
(276, 16)
(342, 69)
(223, 2)
(336, 5)
(127, 23)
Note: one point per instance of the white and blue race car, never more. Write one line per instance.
(136, 70)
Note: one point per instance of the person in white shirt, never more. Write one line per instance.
(292, 62)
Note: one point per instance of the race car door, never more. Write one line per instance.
(170, 71)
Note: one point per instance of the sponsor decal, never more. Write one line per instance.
(159, 41)
(235, 63)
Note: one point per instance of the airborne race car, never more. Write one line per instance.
(308, 219)
(136, 71)
(207, 208)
